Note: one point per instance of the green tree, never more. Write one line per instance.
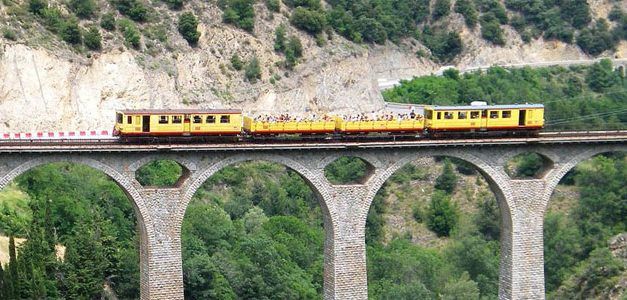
(203, 280)
(108, 22)
(279, 38)
(13, 288)
(71, 33)
(601, 76)
(160, 172)
(346, 170)
(442, 214)
(187, 27)
(93, 38)
(441, 8)
(461, 289)
(253, 70)
(84, 264)
(236, 62)
(175, 4)
(488, 218)
(293, 51)
(84, 9)
(308, 20)
(37, 6)
(134, 9)
(480, 258)
(447, 181)
(595, 277)
(273, 5)
(530, 165)
(468, 10)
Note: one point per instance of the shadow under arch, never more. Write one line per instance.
(555, 176)
(143, 224)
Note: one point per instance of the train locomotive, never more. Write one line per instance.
(437, 121)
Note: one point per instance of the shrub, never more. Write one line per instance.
(596, 40)
(187, 27)
(9, 34)
(491, 30)
(308, 20)
(37, 6)
(293, 51)
(371, 30)
(71, 33)
(279, 38)
(93, 38)
(83, 8)
(237, 62)
(273, 5)
(253, 70)
(108, 22)
(467, 9)
(240, 13)
(134, 9)
(174, 4)
(443, 45)
(601, 76)
(131, 34)
(441, 8)
(442, 215)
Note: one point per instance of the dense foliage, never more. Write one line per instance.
(581, 97)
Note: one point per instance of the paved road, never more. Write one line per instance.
(386, 83)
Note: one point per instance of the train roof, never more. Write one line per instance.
(179, 111)
(479, 107)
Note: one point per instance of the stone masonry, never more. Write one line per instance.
(160, 211)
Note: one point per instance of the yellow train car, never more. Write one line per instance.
(515, 117)
(255, 127)
(397, 125)
(178, 122)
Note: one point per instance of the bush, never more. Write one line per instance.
(445, 46)
(37, 6)
(467, 9)
(253, 70)
(442, 215)
(71, 33)
(134, 9)
(371, 30)
(240, 13)
(236, 62)
(108, 22)
(601, 76)
(83, 8)
(596, 40)
(441, 8)
(131, 34)
(53, 20)
(279, 38)
(273, 5)
(9, 34)
(93, 39)
(491, 30)
(308, 20)
(174, 4)
(187, 27)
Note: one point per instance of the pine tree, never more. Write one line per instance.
(84, 264)
(447, 180)
(2, 284)
(13, 286)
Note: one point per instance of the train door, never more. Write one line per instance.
(145, 123)
(484, 120)
(186, 125)
(522, 117)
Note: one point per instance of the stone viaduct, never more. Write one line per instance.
(160, 211)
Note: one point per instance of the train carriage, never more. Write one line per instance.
(305, 127)
(395, 125)
(178, 122)
(484, 118)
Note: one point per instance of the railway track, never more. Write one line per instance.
(111, 144)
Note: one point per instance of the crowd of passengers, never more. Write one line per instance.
(362, 117)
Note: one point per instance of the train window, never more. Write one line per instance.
(507, 114)
(494, 115)
(439, 115)
(177, 119)
(448, 115)
(462, 115)
(474, 115)
(197, 119)
(484, 113)
(163, 119)
(429, 114)
(211, 119)
(129, 119)
(119, 118)
(225, 119)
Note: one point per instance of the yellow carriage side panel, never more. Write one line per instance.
(288, 127)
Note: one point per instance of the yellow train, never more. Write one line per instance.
(437, 121)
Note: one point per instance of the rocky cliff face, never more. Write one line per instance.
(48, 88)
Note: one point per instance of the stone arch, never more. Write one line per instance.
(188, 166)
(555, 176)
(144, 223)
(315, 180)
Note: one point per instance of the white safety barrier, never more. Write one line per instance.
(58, 135)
